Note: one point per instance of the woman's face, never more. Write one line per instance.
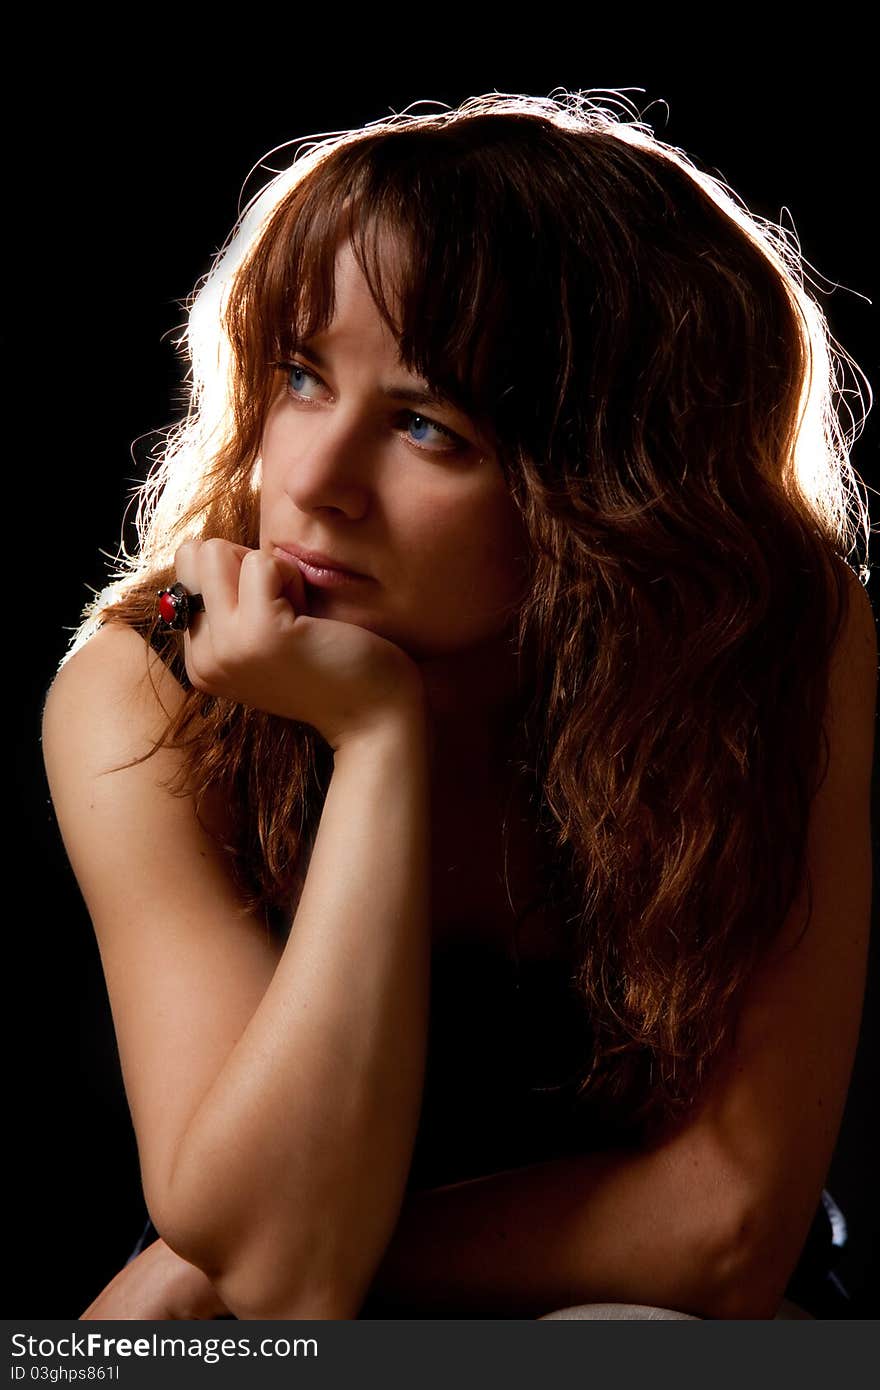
(353, 469)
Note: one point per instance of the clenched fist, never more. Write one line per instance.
(157, 1285)
(254, 643)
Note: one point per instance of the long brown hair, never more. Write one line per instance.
(663, 392)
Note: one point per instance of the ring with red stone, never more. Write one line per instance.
(178, 607)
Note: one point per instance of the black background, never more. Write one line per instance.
(124, 178)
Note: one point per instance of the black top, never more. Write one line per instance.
(506, 1045)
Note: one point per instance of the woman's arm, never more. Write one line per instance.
(274, 1095)
(657, 1228)
(290, 1178)
(712, 1220)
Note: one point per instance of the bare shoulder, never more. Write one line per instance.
(852, 696)
(108, 706)
(115, 683)
(858, 638)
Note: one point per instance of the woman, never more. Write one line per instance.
(485, 927)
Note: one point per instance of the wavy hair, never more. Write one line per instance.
(664, 393)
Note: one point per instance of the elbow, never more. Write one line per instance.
(253, 1288)
(749, 1281)
(740, 1226)
(192, 1232)
(197, 1247)
(260, 1276)
(259, 1269)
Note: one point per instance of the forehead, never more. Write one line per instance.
(381, 285)
(353, 299)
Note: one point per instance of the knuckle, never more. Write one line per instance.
(256, 565)
(213, 549)
(184, 552)
(201, 666)
(213, 678)
(197, 678)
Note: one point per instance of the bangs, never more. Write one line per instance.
(443, 294)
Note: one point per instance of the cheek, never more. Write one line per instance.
(263, 495)
(267, 479)
(272, 448)
(477, 549)
(498, 537)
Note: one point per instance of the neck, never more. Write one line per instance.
(474, 699)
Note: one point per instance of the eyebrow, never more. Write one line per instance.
(416, 395)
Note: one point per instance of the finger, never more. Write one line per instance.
(212, 563)
(195, 565)
(219, 565)
(266, 580)
(186, 565)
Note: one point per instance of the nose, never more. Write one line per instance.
(329, 460)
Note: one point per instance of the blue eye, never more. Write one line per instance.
(296, 368)
(432, 425)
(295, 372)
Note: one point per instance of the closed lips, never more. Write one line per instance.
(317, 560)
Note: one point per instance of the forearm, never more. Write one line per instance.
(289, 1179)
(609, 1227)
